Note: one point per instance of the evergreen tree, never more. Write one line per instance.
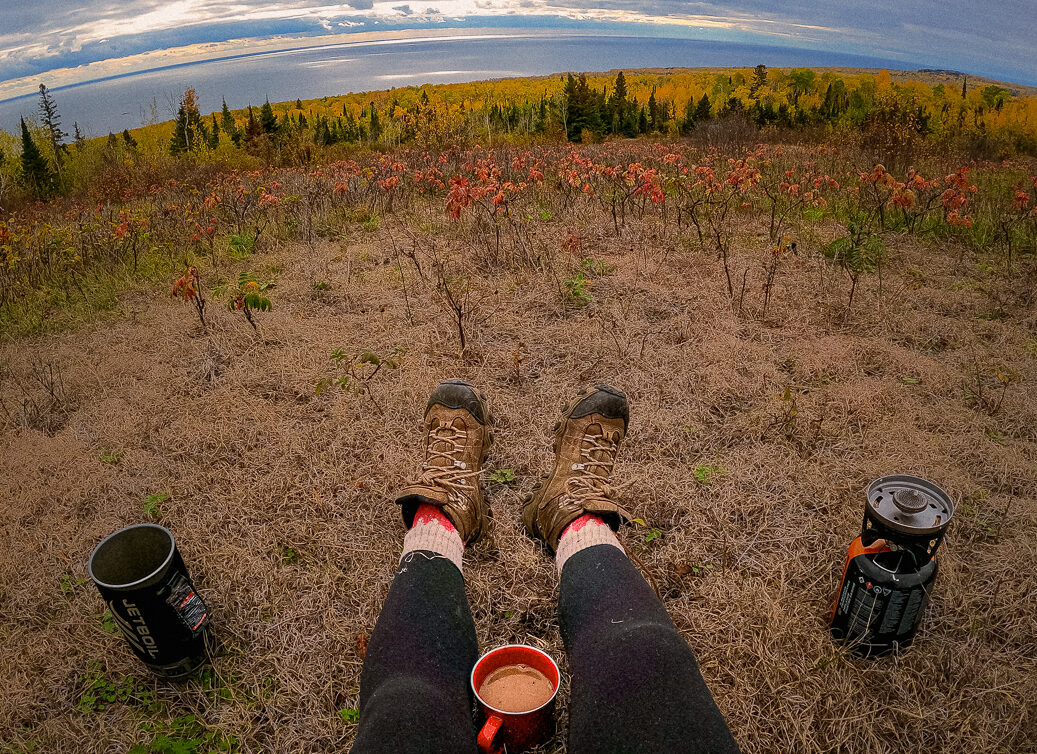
(80, 141)
(298, 104)
(375, 128)
(617, 105)
(267, 119)
(229, 126)
(186, 126)
(653, 111)
(35, 173)
(128, 138)
(704, 109)
(642, 122)
(582, 106)
(964, 87)
(759, 80)
(52, 127)
(214, 133)
(253, 132)
(688, 124)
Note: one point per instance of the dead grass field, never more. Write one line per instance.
(281, 499)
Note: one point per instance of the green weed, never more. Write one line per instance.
(111, 457)
(503, 476)
(151, 505)
(101, 691)
(707, 474)
(241, 245)
(576, 290)
(184, 735)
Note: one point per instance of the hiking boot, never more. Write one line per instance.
(457, 443)
(586, 442)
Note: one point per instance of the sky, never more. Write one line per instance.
(64, 42)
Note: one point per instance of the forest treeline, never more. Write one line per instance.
(985, 121)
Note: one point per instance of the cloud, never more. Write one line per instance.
(982, 37)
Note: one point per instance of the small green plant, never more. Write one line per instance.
(576, 290)
(503, 476)
(100, 691)
(349, 714)
(110, 457)
(597, 266)
(652, 535)
(362, 369)
(858, 252)
(248, 298)
(707, 474)
(184, 735)
(287, 554)
(151, 505)
(69, 584)
(322, 286)
(108, 624)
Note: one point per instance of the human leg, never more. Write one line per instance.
(635, 684)
(414, 694)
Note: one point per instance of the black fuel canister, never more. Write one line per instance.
(890, 568)
(145, 584)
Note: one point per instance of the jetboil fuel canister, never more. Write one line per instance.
(144, 581)
(890, 569)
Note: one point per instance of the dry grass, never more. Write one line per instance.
(257, 467)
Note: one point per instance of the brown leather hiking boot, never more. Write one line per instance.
(458, 441)
(586, 442)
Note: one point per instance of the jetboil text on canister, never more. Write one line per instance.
(890, 568)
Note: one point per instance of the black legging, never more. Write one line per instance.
(635, 685)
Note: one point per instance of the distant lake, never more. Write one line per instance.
(118, 103)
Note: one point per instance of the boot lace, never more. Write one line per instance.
(454, 475)
(590, 480)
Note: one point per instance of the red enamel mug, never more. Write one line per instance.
(515, 731)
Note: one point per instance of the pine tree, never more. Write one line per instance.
(187, 125)
(253, 131)
(298, 104)
(267, 119)
(80, 141)
(35, 173)
(52, 127)
(229, 126)
(375, 128)
(618, 105)
(964, 87)
(653, 111)
(688, 124)
(704, 109)
(214, 134)
(130, 141)
(759, 80)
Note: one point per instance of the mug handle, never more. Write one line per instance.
(488, 733)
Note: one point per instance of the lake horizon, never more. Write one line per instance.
(127, 100)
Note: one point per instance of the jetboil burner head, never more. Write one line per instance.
(907, 512)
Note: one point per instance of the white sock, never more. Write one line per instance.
(433, 531)
(586, 531)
